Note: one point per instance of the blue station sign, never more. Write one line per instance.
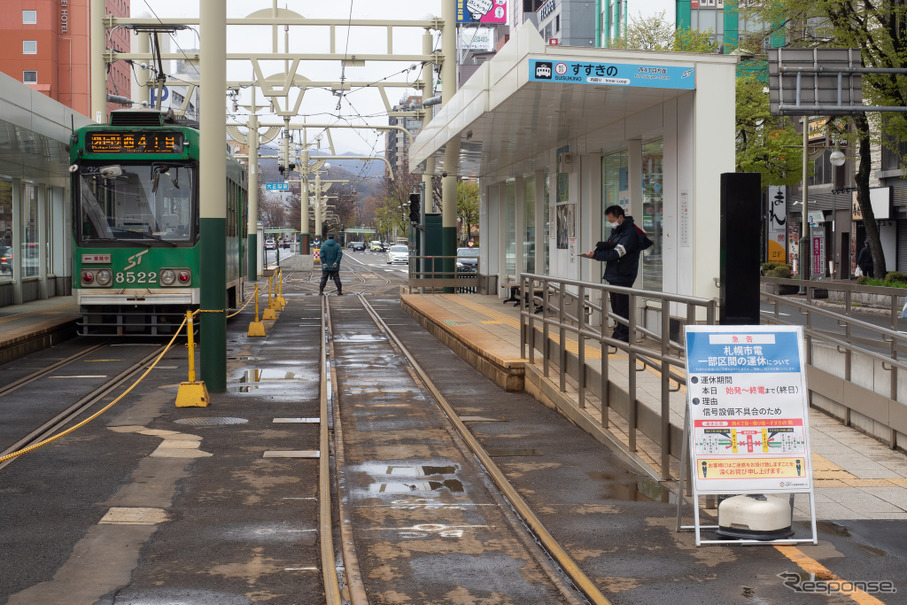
(612, 74)
(277, 186)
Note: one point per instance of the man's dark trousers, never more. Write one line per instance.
(335, 275)
(620, 305)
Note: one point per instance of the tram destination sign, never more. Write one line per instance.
(612, 74)
(134, 142)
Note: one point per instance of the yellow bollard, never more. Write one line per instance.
(269, 313)
(192, 394)
(256, 328)
(280, 299)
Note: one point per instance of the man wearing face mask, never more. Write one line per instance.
(621, 255)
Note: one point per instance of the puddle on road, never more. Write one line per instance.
(406, 487)
(258, 378)
(831, 527)
(630, 487)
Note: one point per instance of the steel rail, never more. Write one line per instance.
(326, 527)
(66, 416)
(44, 371)
(522, 508)
(354, 583)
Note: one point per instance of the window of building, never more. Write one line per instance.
(29, 47)
(30, 77)
(557, 24)
(29, 17)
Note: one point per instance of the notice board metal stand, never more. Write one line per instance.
(748, 485)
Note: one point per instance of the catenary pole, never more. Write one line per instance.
(253, 195)
(98, 76)
(452, 150)
(213, 194)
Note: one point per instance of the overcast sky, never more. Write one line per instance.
(319, 106)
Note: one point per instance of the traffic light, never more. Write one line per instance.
(414, 205)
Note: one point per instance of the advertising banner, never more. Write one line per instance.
(748, 411)
(481, 11)
(476, 38)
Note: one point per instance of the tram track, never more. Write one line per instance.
(64, 412)
(565, 577)
(30, 378)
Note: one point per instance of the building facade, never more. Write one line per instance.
(45, 45)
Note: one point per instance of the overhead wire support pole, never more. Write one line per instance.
(213, 193)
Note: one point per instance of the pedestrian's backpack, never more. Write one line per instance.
(644, 242)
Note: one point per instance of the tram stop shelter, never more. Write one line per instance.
(555, 134)
(35, 222)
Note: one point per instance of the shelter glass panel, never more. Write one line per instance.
(49, 220)
(29, 230)
(529, 216)
(6, 230)
(652, 207)
(615, 187)
(546, 239)
(510, 228)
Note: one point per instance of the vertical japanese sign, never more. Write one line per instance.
(748, 410)
(777, 224)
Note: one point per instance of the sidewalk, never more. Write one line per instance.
(855, 476)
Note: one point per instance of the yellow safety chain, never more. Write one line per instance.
(245, 304)
(35, 446)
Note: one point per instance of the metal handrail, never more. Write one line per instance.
(565, 305)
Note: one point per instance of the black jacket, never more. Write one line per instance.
(622, 260)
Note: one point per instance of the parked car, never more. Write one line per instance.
(6, 259)
(467, 260)
(376, 246)
(270, 244)
(357, 246)
(397, 253)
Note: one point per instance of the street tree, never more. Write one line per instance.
(468, 205)
(654, 32)
(765, 143)
(877, 29)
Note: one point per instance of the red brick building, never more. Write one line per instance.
(45, 44)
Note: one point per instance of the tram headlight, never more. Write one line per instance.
(168, 277)
(175, 276)
(87, 277)
(104, 277)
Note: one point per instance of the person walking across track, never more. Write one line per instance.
(621, 257)
(331, 253)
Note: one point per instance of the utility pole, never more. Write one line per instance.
(452, 151)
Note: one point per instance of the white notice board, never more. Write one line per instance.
(748, 410)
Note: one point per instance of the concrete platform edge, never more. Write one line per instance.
(507, 375)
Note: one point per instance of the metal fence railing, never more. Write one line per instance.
(429, 274)
(552, 306)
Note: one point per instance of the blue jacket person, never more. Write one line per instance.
(331, 253)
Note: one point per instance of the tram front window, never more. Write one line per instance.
(136, 203)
